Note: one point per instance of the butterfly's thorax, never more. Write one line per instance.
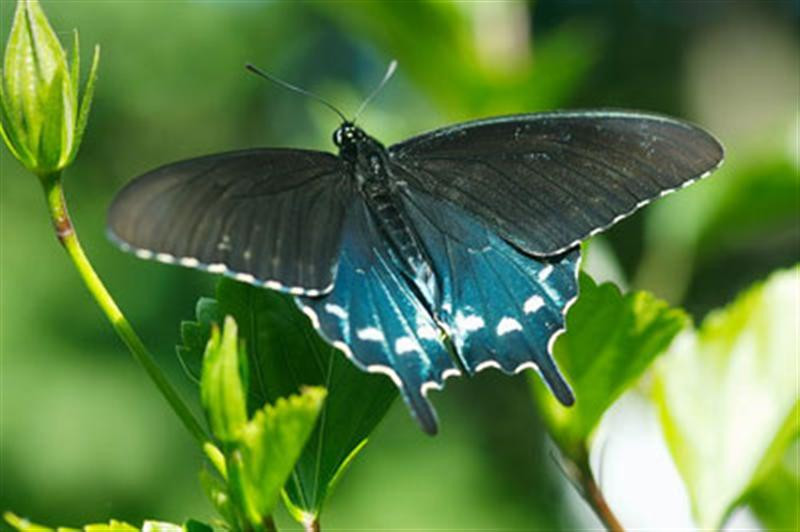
(369, 161)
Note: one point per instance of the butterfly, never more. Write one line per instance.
(451, 252)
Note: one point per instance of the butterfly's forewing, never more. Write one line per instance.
(264, 216)
(546, 181)
(502, 308)
(376, 319)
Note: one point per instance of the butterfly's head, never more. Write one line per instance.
(348, 138)
(347, 134)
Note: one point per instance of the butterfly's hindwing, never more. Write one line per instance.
(374, 316)
(269, 216)
(545, 181)
(503, 309)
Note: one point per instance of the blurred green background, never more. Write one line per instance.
(85, 436)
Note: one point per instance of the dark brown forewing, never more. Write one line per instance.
(265, 216)
(546, 181)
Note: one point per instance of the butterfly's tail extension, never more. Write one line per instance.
(422, 410)
(555, 381)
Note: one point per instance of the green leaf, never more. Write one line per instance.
(86, 104)
(75, 68)
(56, 130)
(11, 133)
(193, 525)
(112, 526)
(195, 335)
(610, 340)
(270, 444)
(222, 388)
(22, 524)
(775, 500)
(726, 394)
(160, 526)
(217, 492)
(286, 354)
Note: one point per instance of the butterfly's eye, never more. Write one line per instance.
(337, 137)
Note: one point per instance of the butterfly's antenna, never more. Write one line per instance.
(386, 78)
(294, 88)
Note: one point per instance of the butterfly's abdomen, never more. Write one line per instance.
(393, 223)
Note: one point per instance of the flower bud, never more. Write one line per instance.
(41, 120)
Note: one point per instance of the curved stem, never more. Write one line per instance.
(65, 232)
(594, 496)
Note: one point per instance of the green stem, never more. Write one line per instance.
(69, 240)
(269, 524)
(594, 496)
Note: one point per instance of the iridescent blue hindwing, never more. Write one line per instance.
(500, 307)
(375, 318)
(503, 308)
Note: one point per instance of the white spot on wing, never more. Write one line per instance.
(165, 257)
(532, 304)
(405, 344)
(427, 332)
(189, 262)
(336, 310)
(545, 272)
(372, 334)
(468, 323)
(508, 325)
(144, 254)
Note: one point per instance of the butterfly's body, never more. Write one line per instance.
(370, 165)
(468, 233)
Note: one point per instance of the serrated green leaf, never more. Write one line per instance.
(726, 392)
(160, 526)
(285, 355)
(195, 335)
(610, 340)
(222, 390)
(113, 525)
(270, 444)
